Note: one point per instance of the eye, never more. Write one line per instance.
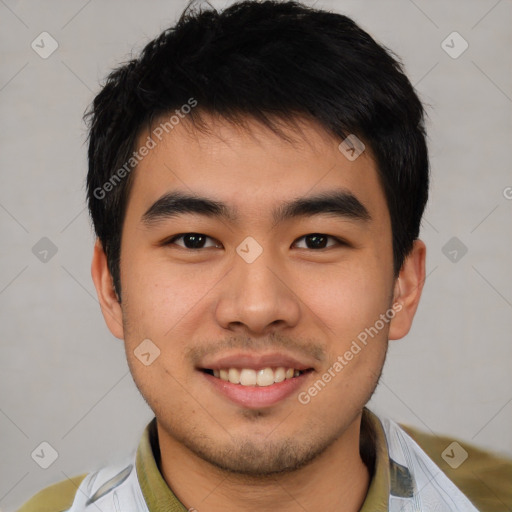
(316, 241)
(193, 241)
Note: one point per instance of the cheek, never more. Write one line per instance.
(159, 299)
(157, 306)
(167, 306)
(348, 299)
(349, 304)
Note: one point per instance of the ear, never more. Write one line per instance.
(110, 306)
(408, 288)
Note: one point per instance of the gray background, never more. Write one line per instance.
(64, 378)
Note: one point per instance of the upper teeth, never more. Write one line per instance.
(250, 377)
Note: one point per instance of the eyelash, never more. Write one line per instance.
(172, 240)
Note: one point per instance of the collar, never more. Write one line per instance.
(387, 476)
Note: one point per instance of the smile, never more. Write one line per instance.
(250, 377)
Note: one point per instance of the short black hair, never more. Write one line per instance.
(270, 61)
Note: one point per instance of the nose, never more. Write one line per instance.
(257, 298)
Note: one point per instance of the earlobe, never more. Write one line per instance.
(110, 306)
(407, 292)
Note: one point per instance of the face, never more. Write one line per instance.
(249, 258)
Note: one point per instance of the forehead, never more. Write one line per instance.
(250, 167)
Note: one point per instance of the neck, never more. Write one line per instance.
(336, 480)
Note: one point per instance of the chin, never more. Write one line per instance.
(260, 459)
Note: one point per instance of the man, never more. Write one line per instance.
(256, 181)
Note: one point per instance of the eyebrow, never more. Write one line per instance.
(340, 203)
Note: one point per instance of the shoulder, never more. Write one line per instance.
(56, 498)
(484, 477)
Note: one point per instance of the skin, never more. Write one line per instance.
(218, 455)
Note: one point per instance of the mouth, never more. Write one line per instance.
(250, 377)
(255, 381)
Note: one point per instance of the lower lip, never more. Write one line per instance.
(257, 397)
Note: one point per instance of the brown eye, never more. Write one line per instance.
(193, 241)
(316, 241)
